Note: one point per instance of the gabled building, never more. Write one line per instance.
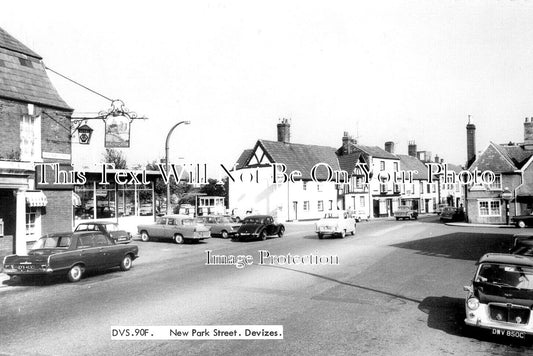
(511, 193)
(253, 189)
(384, 196)
(35, 124)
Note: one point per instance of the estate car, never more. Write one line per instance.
(179, 228)
(336, 223)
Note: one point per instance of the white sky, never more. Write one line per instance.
(399, 71)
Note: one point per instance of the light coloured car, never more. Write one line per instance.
(335, 223)
(220, 225)
(179, 228)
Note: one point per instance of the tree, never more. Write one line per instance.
(116, 157)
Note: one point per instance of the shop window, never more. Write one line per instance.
(31, 226)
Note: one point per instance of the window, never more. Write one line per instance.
(489, 208)
(381, 165)
(306, 205)
(359, 183)
(433, 187)
(25, 62)
(330, 205)
(396, 166)
(30, 138)
(362, 202)
(320, 205)
(318, 188)
(304, 185)
(497, 184)
(31, 217)
(383, 188)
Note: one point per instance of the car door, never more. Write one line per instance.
(108, 252)
(170, 228)
(158, 229)
(89, 253)
(271, 229)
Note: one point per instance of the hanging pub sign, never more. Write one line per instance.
(117, 125)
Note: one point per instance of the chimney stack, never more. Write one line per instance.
(470, 143)
(528, 130)
(284, 131)
(411, 149)
(389, 146)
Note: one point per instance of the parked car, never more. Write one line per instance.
(337, 223)
(522, 245)
(108, 228)
(441, 207)
(405, 212)
(220, 225)
(450, 213)
(179, 228)
(259, 227)
(522, 220)
(499, 298)
(360, 215)
(71, 254)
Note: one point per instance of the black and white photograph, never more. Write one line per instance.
(266, 177)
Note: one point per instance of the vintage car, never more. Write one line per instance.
(405, 212)
(258, 227)
(220, 225)
(71, 254)
(522, 245)
(336, 223)
(522, 220)
(500, 296)
(179, 228)
(449, 214)
(109, 228)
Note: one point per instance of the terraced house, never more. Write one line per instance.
(35, 128)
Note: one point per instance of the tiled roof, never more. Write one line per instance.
(301, 157)
(518, 155)
(410, 163)
(375, 151)
(23, 76)
(348, 162)
(244, 157)
(454, 167)
(495, 158)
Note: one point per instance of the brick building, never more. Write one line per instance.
(35, 129)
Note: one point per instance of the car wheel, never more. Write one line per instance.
(281, 231)
(74, 274)
(263, 235)
(415, 217)
(521, 224)
(320, 236)
(224, 234)
(353, 231)
(144, 236)
(343, 234)
(178, 239)
(126, 263)
(397, 219)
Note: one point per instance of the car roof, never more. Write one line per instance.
(506, 258)
(258, 216)
(97, 222)
(176, 216)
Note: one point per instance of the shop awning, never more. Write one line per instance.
(36, 199)
(76, 200)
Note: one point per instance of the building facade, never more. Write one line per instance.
(35, 124)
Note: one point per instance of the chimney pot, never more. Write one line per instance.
(284, 131)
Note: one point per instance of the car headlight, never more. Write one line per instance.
(472, 303)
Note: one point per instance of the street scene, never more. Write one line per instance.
(222, 178)
(396, 290)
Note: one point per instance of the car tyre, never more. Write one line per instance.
(144, 236)
(126, 263)
(178, 239)
(224, 234)
(521, 224)
(263, 235)
(397, 218)
(75, 273)
(281, 231)
(343, 234)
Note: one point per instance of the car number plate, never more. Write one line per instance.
(24, 267)
(509, 333)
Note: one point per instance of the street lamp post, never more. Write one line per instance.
(506, 196)
(166, 161)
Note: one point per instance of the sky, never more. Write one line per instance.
(383, 71)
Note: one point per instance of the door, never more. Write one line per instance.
(376, 208)
(295, 209)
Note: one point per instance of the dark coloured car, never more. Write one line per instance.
(499, 298)
(405, 212)
(108, 228)
(450, 214)
(259, 227)
(71, 254)
(522, 220)
(522, 245)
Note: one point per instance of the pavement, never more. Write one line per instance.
(464, 224)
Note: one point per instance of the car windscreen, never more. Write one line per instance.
(497, 279)
(52, 242)
(111, 227)
(253, 221)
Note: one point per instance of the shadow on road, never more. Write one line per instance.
(460, 245)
